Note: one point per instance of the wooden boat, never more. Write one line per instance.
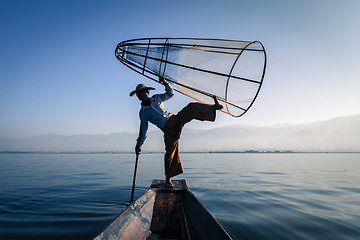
(165, 213)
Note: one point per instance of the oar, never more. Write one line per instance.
(134, 179)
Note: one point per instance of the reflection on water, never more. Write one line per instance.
(253, 196)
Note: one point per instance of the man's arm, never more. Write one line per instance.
(137, 147)
(169, 91)
(143, 132)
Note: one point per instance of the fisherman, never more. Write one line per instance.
(153, 110)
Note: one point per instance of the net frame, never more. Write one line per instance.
(125, 50)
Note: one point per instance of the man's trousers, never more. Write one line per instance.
(172, 131)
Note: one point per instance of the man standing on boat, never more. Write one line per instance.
(152, 110)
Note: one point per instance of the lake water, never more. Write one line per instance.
(253, 196)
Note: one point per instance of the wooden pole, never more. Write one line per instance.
(134, 179)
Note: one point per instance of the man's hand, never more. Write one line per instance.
(137, 150)
(162, 80)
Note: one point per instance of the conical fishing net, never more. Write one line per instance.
(200, 68)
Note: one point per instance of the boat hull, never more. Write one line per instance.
(165, 213)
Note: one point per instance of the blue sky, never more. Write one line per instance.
(58, 72)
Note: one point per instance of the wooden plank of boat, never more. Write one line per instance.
(165, 213)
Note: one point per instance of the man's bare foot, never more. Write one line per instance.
(217, 105)
(168, 183)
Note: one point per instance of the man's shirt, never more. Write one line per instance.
(156, 113)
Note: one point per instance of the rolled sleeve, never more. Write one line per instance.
(169, 93)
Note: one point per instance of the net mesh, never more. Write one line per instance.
(200, 68)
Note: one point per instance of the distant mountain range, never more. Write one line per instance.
(338, 134)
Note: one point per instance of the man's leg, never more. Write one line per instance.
(192, 111)
(172, 159)
(197, 111)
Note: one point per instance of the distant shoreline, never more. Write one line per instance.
(186, 152)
